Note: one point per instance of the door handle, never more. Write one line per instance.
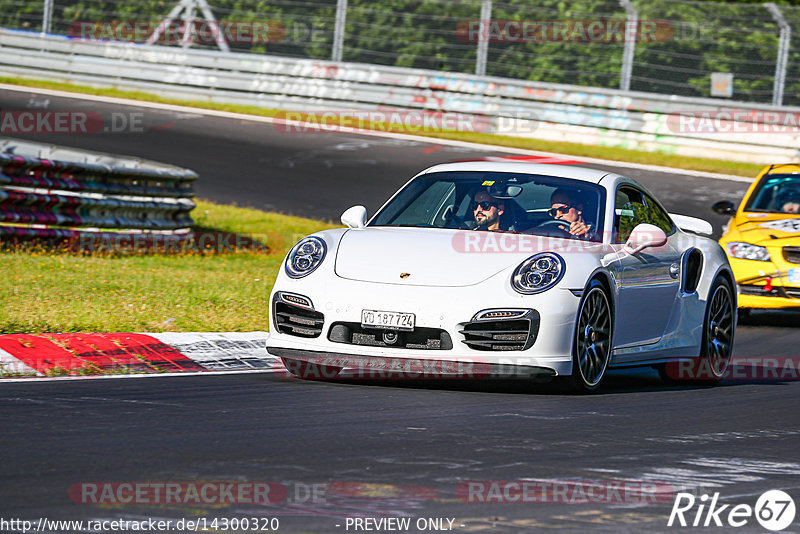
(674, 270)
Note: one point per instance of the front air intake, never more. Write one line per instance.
(294, 315)
(420, 339)
(791, 254)
(501, 330)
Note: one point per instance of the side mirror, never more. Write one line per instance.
(355, 217)
(724, 207)
(644, 236)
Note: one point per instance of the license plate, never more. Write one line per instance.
(794, 276)
(387, 320)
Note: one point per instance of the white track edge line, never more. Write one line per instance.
(355, 131)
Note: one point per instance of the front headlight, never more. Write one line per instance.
(305, 256)
(746, 251)
(538, 273)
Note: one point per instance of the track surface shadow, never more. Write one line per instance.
(617, 382)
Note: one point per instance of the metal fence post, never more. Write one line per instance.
(189, 10)
(483, 37)
(783, 54)
(47, 16)
(631, 29)
(338, 31)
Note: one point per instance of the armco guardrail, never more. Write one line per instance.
(723, 129)
(89, 193)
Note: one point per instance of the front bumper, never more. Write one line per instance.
(447, 309)
(767, 285)
(774, 302)
(338, 364)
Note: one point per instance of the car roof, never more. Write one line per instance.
(547, 169)
(779, 168)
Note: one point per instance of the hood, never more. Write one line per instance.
(429, 256)
(769, 229)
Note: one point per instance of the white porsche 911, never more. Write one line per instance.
(481, 269)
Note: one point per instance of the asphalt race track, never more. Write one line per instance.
(385, 449)
(393, 450)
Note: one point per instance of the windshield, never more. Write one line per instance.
(496, 201)
(776, 193)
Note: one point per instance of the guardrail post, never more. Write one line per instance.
(631, 29)
(783, 54)
(483, 37)
(338, 30)
(47, 16)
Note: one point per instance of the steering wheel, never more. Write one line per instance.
(555, 224)
(452, 217)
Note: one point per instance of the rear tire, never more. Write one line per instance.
(591, 347)
(719, 328)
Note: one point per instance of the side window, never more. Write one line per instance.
(632, 208)
(629, 210)
(657, 216)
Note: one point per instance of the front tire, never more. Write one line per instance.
(591, 348)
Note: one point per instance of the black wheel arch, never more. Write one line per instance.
(605, 278)
(727, 275)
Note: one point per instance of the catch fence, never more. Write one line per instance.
(750, 52)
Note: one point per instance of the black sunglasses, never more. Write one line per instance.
(552, 212)
(485, 205)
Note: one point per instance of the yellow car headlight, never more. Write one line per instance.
(747, 251)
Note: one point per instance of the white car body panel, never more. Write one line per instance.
(381, 254)
(444, 286)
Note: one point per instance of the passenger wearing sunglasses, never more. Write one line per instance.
(567, 206)
(487, 211)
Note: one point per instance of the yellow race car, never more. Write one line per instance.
(762, 239)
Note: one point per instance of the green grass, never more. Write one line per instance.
(58, 291)
(606, 152)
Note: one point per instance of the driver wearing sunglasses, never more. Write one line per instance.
(568, 207)
(487, 211)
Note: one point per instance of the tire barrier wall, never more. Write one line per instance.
(644, 121)
(91, 194)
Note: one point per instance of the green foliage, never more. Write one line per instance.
(695, 38)
(634, 214)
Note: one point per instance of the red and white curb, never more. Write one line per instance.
(128, 353)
